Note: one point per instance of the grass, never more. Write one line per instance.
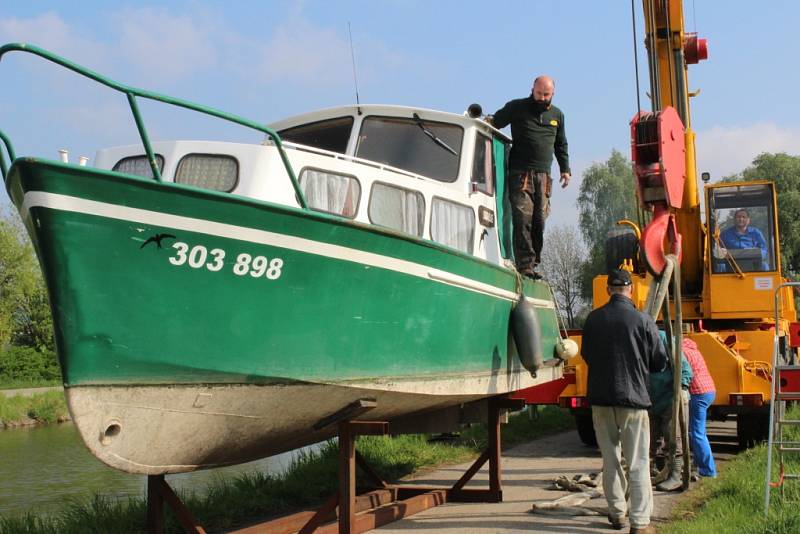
(8, 383)
(48, 407)
(733, 503)
(309, 480)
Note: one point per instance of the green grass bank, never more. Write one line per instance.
(41, 408)
(733, 503)
(310, 480)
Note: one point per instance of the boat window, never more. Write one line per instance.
(138, 165)
(398, 208)
(452, 224)
(330, 192)
(331, 134)
(423, 147)
(208, 171)
(483, 165)
(742, 228)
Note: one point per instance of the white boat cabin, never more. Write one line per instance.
(425, 173)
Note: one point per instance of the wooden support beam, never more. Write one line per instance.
(159, 492)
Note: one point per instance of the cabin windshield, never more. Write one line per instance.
(409, 144)
(331, 134)
(742, 229)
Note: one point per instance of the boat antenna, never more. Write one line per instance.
(353, 59)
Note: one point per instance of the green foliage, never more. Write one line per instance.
(784, 171)
(607, 195)
(27, 366)
(43, 408)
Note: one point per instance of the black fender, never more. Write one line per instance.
(527, 335)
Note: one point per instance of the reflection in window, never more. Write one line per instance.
(332, 134)
(397, 208)
(208, 171)
(452, 224)
(482, 165)
(329, 192)
(139, 166)
(404, 143)
(742, 229)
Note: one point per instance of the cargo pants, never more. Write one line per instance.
(530, 206)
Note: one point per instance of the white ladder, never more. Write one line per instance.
(785, 387)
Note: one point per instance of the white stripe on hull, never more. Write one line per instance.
(176, 428)
(34, 199)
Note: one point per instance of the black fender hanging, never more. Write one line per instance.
(527, 335)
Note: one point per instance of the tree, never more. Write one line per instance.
(784, 171)
(561, 264)
(607, 195)
(25, 317)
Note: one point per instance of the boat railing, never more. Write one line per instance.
(10, 150)
(132, 93)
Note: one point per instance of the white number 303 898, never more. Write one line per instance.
(198, 256)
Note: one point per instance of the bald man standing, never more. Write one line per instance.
(537, 131)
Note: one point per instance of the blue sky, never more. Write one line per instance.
(268, 60)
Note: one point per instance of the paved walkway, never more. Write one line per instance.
(527, 472)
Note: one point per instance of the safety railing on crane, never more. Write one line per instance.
(132, 94)
(785, 388)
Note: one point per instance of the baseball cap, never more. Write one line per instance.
(619, 277)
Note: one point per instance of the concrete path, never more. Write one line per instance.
(527, 472)
(28, 392)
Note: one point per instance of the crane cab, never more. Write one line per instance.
(742, 250)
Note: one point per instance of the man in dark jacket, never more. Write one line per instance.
(537, 130)
(621, 346)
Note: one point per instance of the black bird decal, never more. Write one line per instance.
(157, 239)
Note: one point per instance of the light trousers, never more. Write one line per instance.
(625, 431)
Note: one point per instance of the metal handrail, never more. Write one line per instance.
(131, 93)
(10, 149)
(774, 390)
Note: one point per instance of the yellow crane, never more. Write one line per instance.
(730, 262)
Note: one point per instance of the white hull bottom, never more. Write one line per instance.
(175, 428)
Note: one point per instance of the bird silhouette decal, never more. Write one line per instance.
(157, 240)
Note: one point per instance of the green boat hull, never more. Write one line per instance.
(179, 311)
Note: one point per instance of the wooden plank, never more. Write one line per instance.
(155, 505)
(393, 512)
(185, 517)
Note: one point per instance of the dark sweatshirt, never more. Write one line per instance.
(537, 133)
(622, 347)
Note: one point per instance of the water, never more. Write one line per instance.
(42, 467)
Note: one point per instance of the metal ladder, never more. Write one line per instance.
(785, 387)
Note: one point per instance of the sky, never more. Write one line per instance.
(267, 60)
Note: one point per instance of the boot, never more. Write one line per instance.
(675, 480)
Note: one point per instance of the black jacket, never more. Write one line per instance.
(537, 133)
(621, 345)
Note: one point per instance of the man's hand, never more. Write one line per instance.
(565, 176)
(720, 252)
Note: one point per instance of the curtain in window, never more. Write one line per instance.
(452, 225)
(332, 193)
(397, 208)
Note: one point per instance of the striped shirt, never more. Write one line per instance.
(701, 378)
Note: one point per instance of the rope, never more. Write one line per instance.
(636, 61)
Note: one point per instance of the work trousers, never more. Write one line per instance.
(701, 448)
(626, 431)
(661, 427)
(530, 206)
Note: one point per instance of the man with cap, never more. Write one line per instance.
(621, 346)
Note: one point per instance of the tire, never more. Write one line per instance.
(621, 244)
(583, 421)
(752, 429)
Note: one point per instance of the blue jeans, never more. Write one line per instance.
(701, 449)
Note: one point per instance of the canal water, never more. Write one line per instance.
(42, 467)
